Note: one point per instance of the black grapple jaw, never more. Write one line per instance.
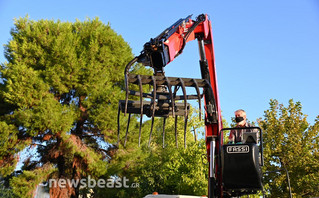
(163, 101)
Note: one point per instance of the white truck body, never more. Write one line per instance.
(173, 196)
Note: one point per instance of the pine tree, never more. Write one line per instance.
(59, 95)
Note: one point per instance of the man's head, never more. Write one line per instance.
(240, 117)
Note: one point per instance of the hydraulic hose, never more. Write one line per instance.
(126, 71)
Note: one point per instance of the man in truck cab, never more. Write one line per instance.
(236, 136)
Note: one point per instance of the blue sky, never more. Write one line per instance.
(263, 49)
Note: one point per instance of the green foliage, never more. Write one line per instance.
(168, 170)
(21, 185)
(6, 192)
(291, 142)
(10, 145)
(59, 96)
(175, 171)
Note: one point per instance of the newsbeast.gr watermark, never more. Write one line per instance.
(113, 182)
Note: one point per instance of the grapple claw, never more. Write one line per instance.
(153, 110)
(127, 128)
(162, 100)
(154, 96)
(169, 86)
(186, 113)
(141, 108)
(150, 138)
(185, 128)
(185, 96)
(126, 93)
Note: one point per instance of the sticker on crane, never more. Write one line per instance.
(238, 149)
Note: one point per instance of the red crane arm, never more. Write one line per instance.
(163, 102)
(163, 49)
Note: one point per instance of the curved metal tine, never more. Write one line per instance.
(199, 99)
(154, 104)
(185, 113)
(126, 96)
(150, 138)
(185, 96)
(176, 131)
(118, 124)
(154, 95)
(164, 132)
(128, 125)
(185, 128)
(141, 108)
(176, 88)
(169, 86)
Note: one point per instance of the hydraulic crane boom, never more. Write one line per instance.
(234, 170)
(159, 52)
